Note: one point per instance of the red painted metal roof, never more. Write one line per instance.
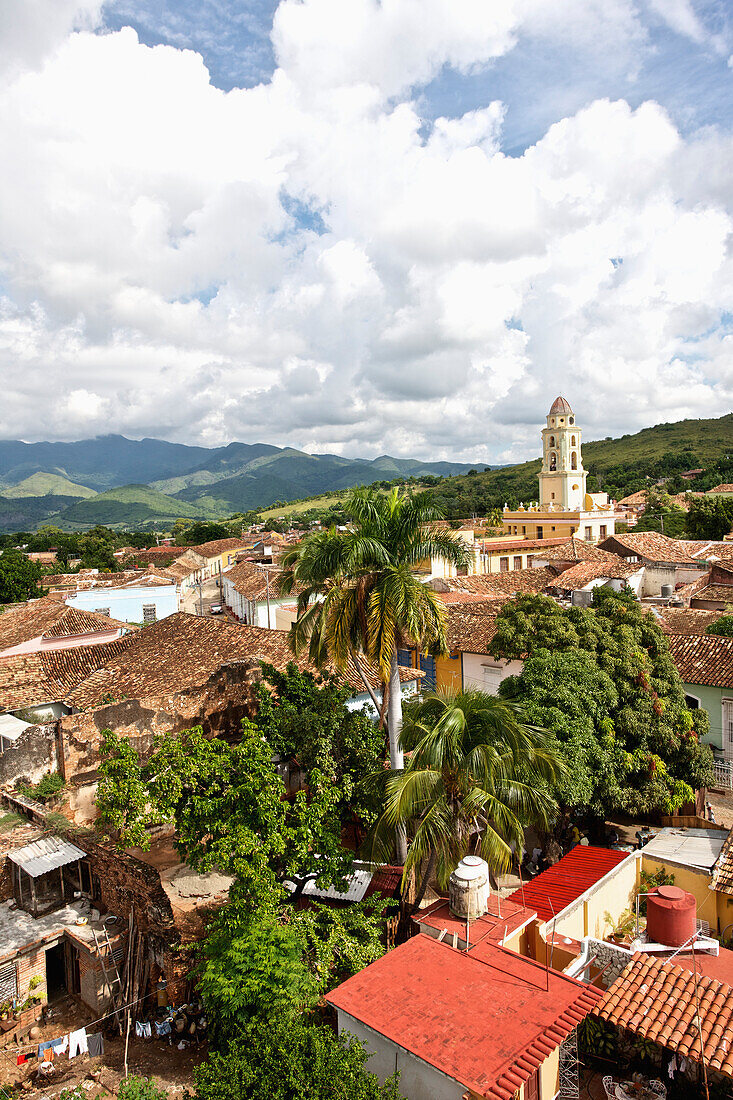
(487, 1018)
(554, 889)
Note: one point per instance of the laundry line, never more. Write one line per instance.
(119, 1008)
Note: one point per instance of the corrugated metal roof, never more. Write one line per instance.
(45, 854)
(554, 889)
(12, 727)
(358, 883)
(687, 847)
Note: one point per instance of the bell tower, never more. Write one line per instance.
(562, 478)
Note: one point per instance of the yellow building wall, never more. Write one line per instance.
(695, 882)
(549, 1077)
(724, 910)
(519, 941)
(448, 673)
(587, 916)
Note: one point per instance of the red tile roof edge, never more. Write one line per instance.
(559, 886)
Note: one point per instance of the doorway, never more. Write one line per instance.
(55, 972)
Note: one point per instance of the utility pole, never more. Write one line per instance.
(267, 589)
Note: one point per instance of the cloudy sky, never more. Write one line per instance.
(362, 226)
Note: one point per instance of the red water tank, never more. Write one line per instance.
(670, 916)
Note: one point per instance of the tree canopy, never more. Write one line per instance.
(477, 774)
(601, 679)
(19, 577)
(710, 517)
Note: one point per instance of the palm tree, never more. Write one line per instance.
(477, 775)
(359, 595)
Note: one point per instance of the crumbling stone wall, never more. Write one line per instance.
(31, 756)
(219, 705)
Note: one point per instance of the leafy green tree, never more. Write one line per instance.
(477, 774)
(291, 1060)
(97, 547)
(601, 679)
(308, 719)
(723, 627)
(200, 531)
(19, 578)
(229, 809)
(360, 595)
(710, 517)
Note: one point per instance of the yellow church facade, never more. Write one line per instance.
(564, 507)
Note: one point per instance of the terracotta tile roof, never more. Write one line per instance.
(578, 576)
(89, 579)
(724, 487)
(634, 498)
(75, 621)
(28, 679)
(502, 584)
(721, 593)
(554, 889)
(578, 550)
(472, 626)
(50, 618)
(650, 545)
(250, 581)
(487, 1019)
(183, 651)
(703, 659)
(686, 620)
(722, 878)
(465, 597)
(217, 546)
(657, 1000)
(518, 545)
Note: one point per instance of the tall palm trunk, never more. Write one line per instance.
(396, 756)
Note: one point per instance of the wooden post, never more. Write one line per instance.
(61, 877)
(34, 903)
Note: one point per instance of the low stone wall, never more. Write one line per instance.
(607, 955)
(31, 756)
(218, 706)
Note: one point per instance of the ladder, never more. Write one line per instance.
(100, 942)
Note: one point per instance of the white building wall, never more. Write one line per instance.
(126, 604)
(418, 1079)
(486, 673)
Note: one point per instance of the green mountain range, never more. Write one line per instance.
(149, 483)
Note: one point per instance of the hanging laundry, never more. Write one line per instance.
(48, 1054)
(78, 1042)
(95, 1044)
(163, 1028)
(143, 1030)
(22, 1059)
(42, 1047)
(61, 1044)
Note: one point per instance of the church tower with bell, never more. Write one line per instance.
(562, 478)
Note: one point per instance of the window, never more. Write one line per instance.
(571, 420)
(572, 441)
(552, 496)
(540, 532)
(404, 658)
(589, 534)
(149, 613)
(603, 530)
(102, 611)
(574, 461)
(552, 441)
(427, 664)
(530, 560)
(524, 530)
(518, 562)
(553, 527)
(491, 678)
(503, 565)
(728, 723)
(553, 460)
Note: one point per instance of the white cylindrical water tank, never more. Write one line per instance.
(468, 888)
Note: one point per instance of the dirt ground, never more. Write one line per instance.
(172, 1067)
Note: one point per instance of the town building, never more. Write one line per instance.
(49, 623)
(485, 1023)
(564, 508)
(705, 665)
(141, 600)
